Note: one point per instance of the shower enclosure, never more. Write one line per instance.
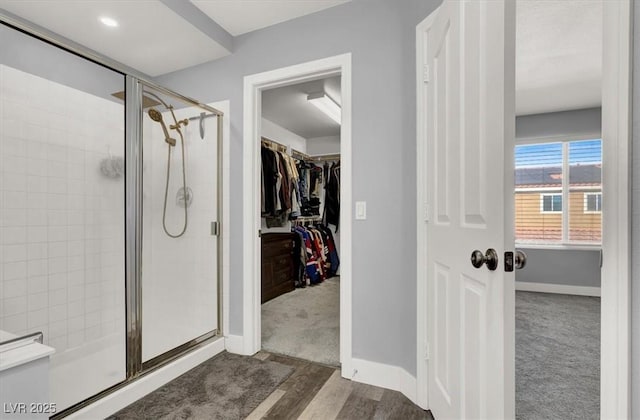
(179, 222)
(109, 216)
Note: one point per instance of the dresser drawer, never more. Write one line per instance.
(276, 248)
(284, 275)
(277, 265)
(281, 262)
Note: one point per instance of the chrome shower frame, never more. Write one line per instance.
(134, 83)
(133, 132)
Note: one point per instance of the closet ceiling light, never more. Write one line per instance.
(327, 105)
(110, 22)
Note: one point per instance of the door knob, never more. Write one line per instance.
(490, 258)
(520, 260)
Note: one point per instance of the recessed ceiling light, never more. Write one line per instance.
(110, 22)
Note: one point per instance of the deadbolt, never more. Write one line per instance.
(490, 258)
(520, 260)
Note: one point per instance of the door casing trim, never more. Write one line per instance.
(615, 333)
(253, 87)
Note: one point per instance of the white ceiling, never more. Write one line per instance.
(288, 107)
(151, 38)
(154, 39)
(241, 16)
(559, 42)
(558, 55)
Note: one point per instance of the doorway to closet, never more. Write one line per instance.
(300, 220)
(255, 86)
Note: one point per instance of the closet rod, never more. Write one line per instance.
(299, 155)
(307, 219)
(323, 158)
(278, 146)
(319, 158)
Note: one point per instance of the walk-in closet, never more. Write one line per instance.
(300, 213)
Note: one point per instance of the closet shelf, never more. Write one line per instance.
(274, 145)
(307, 219)
(318, 158)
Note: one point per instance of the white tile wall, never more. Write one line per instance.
(61, 223)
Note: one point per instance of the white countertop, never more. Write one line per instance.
(21, 355)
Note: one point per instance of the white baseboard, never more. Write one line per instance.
(235, 344)
(385, 376)
(564, 289)
(139, 388)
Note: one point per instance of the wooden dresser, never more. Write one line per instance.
(277, 265)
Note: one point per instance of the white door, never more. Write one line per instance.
(467, 112)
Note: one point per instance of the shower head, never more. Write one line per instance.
(157, 117)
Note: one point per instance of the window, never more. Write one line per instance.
(592, 202)
(558, 194)
(551, 203)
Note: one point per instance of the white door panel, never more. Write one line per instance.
(468, 113)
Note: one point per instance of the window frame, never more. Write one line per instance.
(565, 243)
(586, 202)
(543, 195)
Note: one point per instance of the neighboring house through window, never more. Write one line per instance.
(592, 202)
(551, 203)
(558, 194)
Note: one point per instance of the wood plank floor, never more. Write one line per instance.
(316, 391)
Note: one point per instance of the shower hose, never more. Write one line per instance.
(166, 190)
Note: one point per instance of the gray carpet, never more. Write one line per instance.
(227, 386)
(305, 323)
(557, 356)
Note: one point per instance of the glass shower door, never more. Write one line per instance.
(62, 217)
(179, 238)
(116, 264)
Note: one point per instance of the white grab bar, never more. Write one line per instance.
(22, 341)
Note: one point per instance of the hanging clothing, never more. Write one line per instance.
(331, 214)
(316, 180)
(319, 257)
(284, 185)
(332, 252)
(311, 273)
(280, 198)
(270, 175)
(310, 185)
(299, 260)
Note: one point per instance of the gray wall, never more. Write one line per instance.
(323, 145)
(571, 267)
(561, 266)
(635, 225)
(381, 36)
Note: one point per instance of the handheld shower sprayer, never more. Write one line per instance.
(157, 117)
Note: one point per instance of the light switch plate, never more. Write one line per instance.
(361, 210)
